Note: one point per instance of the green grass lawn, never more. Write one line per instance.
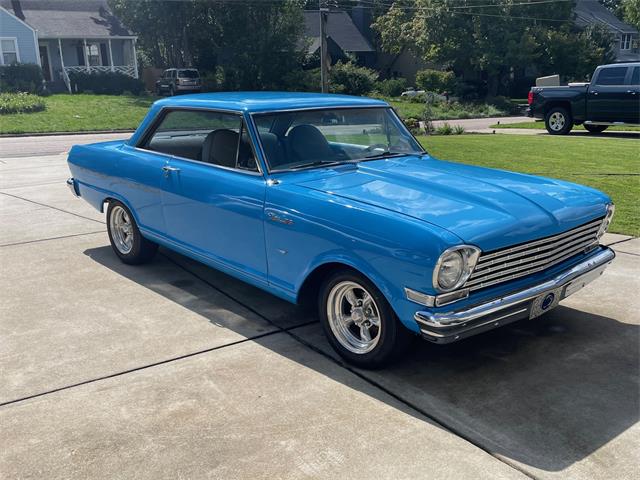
(540, 126)
(608, 164)
(80, 112)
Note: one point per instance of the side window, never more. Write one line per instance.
(612, 76)
(635, 77)
(210, 137)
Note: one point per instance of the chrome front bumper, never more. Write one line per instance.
(72, 186)
(447, 327)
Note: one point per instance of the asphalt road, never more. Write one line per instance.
(175, 370)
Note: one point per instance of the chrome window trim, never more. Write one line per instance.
(304, 109)
(164, 111)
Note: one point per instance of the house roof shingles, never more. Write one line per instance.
(589, 12)
(340, 28)
(64, 18)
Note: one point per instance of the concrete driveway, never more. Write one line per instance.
(175, 370)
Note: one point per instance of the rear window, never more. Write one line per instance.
(612, 76)
(188, 73)
(635, 76)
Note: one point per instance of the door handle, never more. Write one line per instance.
(167, 170)
(632, 92)
(594, 93)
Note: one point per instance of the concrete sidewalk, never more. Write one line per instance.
(175, 370)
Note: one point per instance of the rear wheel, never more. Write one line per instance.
(359, 322)
(595, 128)
(558, 121)
(125, 237)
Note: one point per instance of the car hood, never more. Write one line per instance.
(484, 207)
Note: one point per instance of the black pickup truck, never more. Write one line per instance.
(612, 98)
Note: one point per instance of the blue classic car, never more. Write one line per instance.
(329, 198)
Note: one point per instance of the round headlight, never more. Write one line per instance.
(454, 267)
(604, 226)
(451, 267)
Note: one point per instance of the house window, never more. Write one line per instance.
(625, 41)
(9, 51)
(93, 54)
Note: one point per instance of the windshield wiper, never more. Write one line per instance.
(317, 163)
(386, 154)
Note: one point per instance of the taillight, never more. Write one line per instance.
(530, 97)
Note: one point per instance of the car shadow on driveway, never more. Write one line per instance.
(546, 393)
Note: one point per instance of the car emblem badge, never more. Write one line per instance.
(547, 301)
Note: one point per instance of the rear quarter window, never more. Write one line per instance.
(612, 76)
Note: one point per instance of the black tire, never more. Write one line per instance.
(393, 338)
(595, 128)
(141, 250)
(558, 121)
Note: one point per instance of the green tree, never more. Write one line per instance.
(256, 43)
(487, 40)
(631, 12)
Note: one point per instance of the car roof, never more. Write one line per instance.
(624, 64)
(267, 101)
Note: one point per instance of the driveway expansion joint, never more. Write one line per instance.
(289, 331)
(52, 207)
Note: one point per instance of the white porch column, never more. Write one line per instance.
(110, 56)
(135, 57)
(86, 57)
(64, 74)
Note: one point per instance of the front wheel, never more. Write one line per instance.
(558, 121)
(125, 237)
(595, 128)
(359, 322)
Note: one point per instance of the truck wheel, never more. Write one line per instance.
(558, 121)
(125, 237)
(359, 322)
(595, 128)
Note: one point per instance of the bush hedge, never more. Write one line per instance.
(435, 81)
(351, 79)
(20, 103)
(24, 77)
(392, 87)
(105, 83)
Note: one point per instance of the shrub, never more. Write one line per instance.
(435, 81)
(111, 83)
(504, 104)
(302, 80)
(444, 129)
(20, 103)
(24, 77)
(391, 87)
(351, 79)
(458, 129)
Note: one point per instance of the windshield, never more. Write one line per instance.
(187, 73)
(309, 138)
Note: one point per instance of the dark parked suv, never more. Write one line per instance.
(178, 80)
(612, 98)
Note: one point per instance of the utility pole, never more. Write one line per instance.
(324, 54)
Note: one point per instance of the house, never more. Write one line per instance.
(627, 38)
(343, 37)
(64, 36)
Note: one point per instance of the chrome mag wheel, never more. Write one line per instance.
(557, 121)
(121, 229)
(354, 317)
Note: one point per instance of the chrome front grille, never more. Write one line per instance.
(515, 262)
